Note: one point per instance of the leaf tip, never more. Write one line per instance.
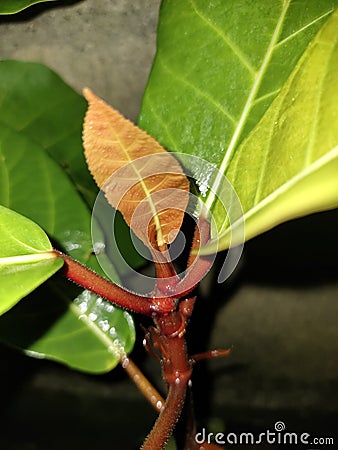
(88, 94)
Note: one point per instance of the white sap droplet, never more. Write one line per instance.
(112, 331)
(159, 405)
(177, 380)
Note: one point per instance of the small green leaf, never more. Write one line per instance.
(89, 335)
(288, 166)
(26, 258)
(14, 6)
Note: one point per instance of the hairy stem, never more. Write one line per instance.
(110, 291)
(167, 419)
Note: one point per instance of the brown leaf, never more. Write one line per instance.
(139, 177)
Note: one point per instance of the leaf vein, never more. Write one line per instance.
(292, 35)
(198, 91)
(248, 105)
(236, 50)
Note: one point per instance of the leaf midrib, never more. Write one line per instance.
(155, 217)
(247, 107)
(315, 165)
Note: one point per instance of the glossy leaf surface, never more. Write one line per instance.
(14, 6)
(26, 258)
(115, 146)
(34, 184)
(88, 334)
(35, 101)
(214, 78)
(294, 147)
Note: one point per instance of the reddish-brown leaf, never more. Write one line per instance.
(139, 177)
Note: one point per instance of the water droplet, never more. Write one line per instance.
(203, 187)
(128, 318)
(99, 248)
(125, 362)
(112, 349)
(92, 316)
(104, 325)
(83, 306)
(109, 307)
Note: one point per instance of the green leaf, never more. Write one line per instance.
(290, 160)
(26, 258)
(14, 6)
(35, 101)
(32, 184)
(214, 78)
(89, 335)
(38, 104)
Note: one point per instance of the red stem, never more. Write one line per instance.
(198, 266)
(101, 286)
(167, 419)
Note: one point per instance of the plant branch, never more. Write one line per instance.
(167, 419)
(198, 266)
(101, 286)
(143, 384)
